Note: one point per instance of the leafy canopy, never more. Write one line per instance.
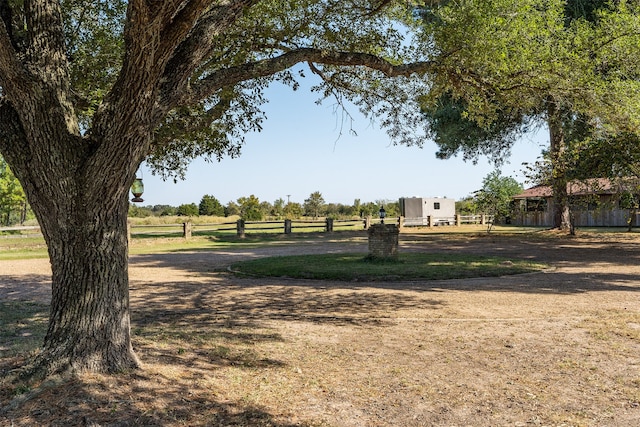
(496, 194)
(502, 63)
(214, 124)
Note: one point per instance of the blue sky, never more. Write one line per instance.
(302, 149)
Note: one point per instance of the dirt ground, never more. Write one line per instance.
(557, 348)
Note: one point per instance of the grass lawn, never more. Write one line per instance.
(409, 266)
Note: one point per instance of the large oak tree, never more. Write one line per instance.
(89, 90)
(567, 63)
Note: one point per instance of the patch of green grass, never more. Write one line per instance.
(22, 327)
(409, 266)
(20, 247)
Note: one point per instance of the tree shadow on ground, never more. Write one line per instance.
(552, 250)
(245, 302)
(133, 400)
(25, 287)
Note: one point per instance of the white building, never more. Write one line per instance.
(417, 210)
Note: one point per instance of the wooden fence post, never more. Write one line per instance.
(128, 231)
(329, 225)
(430, 220)
(287, 226)
(186, 229)
(367, 222)
(240, 228)
(400, 223)
(458, 220)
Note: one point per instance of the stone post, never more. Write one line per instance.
(383, 242)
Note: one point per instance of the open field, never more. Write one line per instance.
(557, 348)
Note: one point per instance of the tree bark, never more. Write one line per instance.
(89, 321)
(561, 211)
(79, 196)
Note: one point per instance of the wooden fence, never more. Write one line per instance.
(433, 221)
(242, 227)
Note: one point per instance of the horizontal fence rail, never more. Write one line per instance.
(35, 228)
(241, 227)
(434, 221)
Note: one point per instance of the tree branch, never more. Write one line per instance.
(196, 46)
(233, 75)
(46, 49)
(13, 76)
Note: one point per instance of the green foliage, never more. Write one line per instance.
(369, 209)
(495, 196)
(136, 211)
(190, 209)
(13, 201)
(467, 206)
(392, 208)
(314, 206)
(250, 209)
(231, 209)
(454, 132)
(503, 63)
(209, 205)
(277, 210)
(216, 127)
(95, 45)
(629, 200)
(293, 210)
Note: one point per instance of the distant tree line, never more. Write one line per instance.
(14, 208)
(494, 197)
(251, 208)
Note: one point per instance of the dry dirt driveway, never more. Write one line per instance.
(558, 348)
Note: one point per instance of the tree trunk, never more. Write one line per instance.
(79, 195)
(561, 211)
(89, 320)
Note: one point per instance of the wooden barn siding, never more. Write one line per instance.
(595, 218)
